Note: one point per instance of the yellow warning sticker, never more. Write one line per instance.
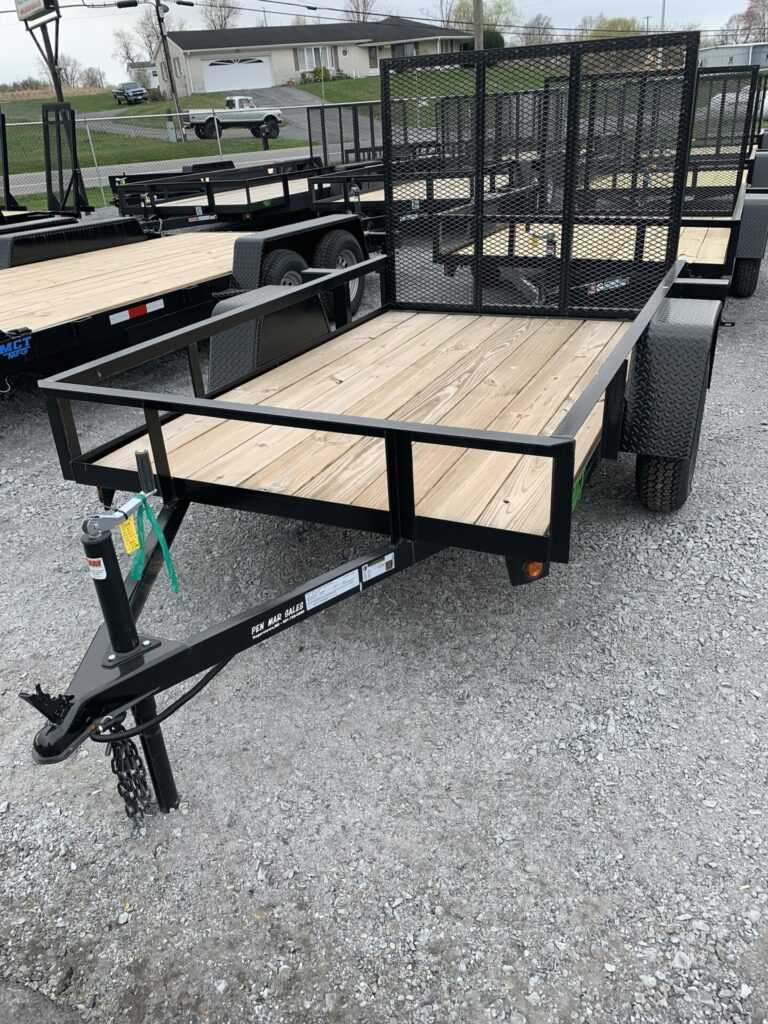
(130, 536)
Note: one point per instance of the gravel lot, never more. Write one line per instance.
(445, 801)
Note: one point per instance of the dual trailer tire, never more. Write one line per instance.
(336, 249)
(745, 276)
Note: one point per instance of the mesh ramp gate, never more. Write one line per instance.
(723, 126)
(345, 132)
(545, 151)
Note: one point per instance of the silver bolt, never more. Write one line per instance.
(111, 657)
(146, 643)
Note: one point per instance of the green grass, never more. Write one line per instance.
(346, 90)
(103, 104)
(39, 200)
(25, 147)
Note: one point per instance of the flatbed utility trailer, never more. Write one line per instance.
(445, 424)
(264, 195)
(111, 292)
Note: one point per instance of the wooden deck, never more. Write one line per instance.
(607, 241)
(253, 195)
(43, 295)
(502, 373)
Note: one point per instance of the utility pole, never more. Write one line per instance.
(663, 14)
(161, 10)
(477, 14)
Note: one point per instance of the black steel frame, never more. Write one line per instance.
(63, 178)
(52, 347)
(7, 201)
(152, 199)
(358, 148)
(105, 688)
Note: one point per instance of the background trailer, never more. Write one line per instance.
(71, 293)
(447, 417)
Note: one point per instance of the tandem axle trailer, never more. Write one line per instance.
(111, 292)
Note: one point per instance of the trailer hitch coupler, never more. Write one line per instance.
(104, 568)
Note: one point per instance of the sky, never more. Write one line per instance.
(87, 33)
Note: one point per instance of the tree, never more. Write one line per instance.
(445, 11)
(142, 41)
(70, 70)
(538, 31)
(492, 39)
(735, 30)
(126, 47)
(497, 14)
(755, 19)
(217, 14)
(359, 10)
(597, 26)
(92, 78)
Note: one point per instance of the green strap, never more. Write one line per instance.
(137, 566)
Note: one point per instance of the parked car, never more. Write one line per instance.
(238, 112)
(130, 92)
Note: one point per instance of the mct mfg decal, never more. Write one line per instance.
(14, 347)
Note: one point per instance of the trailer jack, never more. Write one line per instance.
(123, 670)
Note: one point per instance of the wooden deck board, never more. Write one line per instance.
(507, 373)
(43, 295)
(241, 196)
(606, 241)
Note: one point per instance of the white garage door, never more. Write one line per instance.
(228, 74)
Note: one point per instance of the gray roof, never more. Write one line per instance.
(388, 30)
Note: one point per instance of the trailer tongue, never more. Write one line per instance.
(454, 414)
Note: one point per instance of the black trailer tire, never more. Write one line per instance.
(745, 276)
(273, 127)
(209, 129)
(339, 249)
(663, 485)
(283, 266)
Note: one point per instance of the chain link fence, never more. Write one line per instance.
(150, 143)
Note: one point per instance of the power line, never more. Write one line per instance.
(422, 19)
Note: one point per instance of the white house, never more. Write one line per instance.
(229, 60)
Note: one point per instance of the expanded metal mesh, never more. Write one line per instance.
(537, 179)
(722, 137)
(345, 133)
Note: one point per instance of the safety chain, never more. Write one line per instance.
(132, 784)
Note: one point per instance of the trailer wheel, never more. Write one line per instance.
(663, 485)
(340, 249)
(745, 275)
(283, 266)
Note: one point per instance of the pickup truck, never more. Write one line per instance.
(238, 112)
(130, 92)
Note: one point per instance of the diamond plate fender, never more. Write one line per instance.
(760, 170)
(753, 233)
(669, 378)
(233, 353)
